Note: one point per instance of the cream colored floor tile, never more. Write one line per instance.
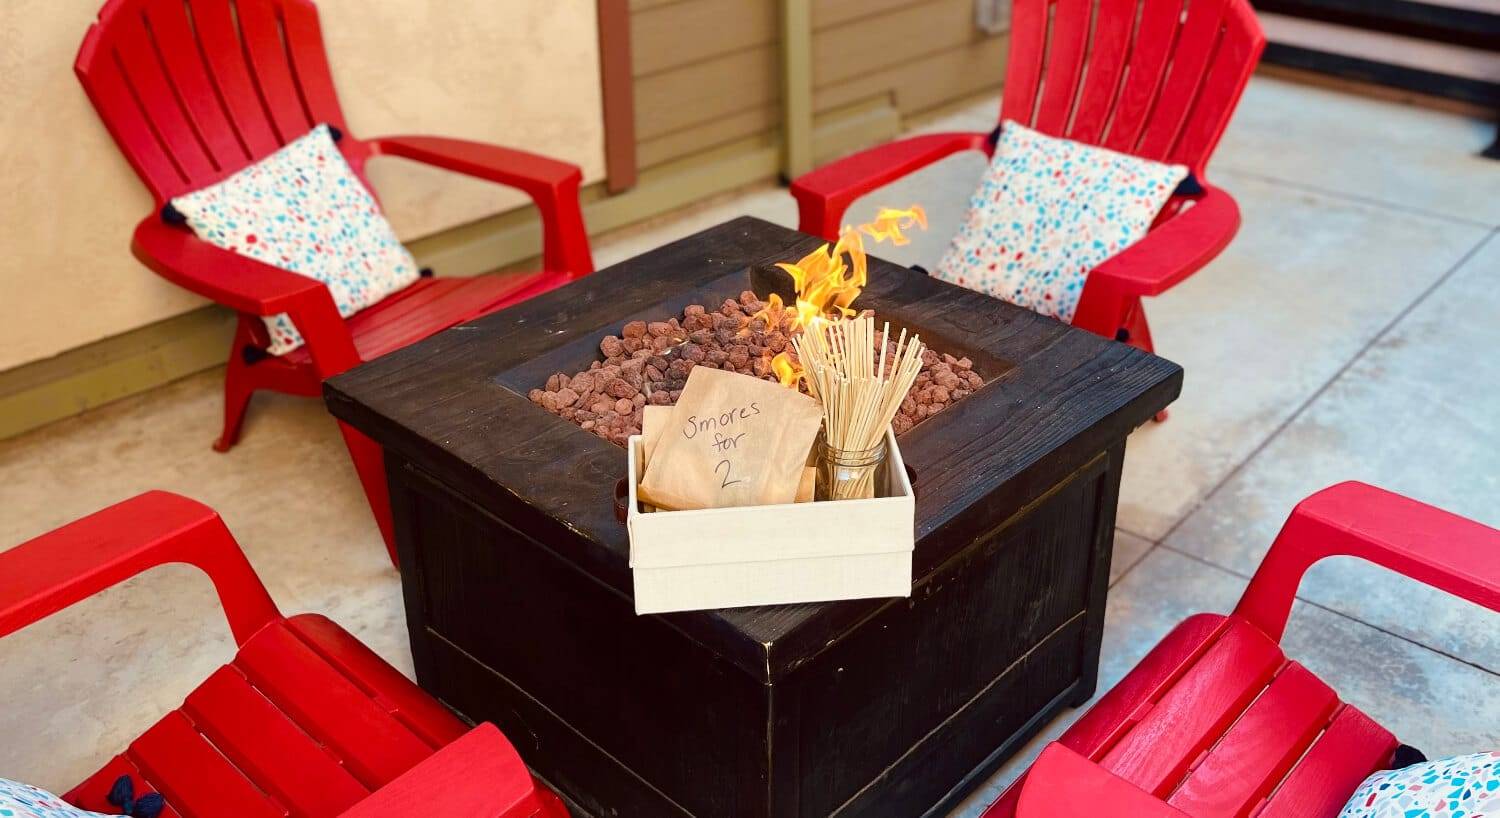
(1129, 550)
(1403, 155)
(1307, 283)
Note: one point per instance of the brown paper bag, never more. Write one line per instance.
(808, 486)
(732, 440)
(653, 421)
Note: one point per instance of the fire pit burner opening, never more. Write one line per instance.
(648, 362)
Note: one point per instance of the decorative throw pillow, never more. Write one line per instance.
(1047, 212)
(302, 209)
(1458, 787)
(19, 800)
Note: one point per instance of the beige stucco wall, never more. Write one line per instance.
(523, 73)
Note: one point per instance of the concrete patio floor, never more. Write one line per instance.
(1348, 333)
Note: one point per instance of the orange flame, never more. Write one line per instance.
(889, 223)
(785, 370)
(826, 285)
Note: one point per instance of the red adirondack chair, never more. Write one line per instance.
(1217, 721)
(194, 90)
(304, 721)
(1155, 81)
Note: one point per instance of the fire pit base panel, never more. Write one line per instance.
(517, 582)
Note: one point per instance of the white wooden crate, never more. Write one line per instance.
(769, 555)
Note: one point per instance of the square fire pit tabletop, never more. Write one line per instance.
(517, 581)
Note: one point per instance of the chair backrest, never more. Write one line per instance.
(1154, 78)
(193, 90)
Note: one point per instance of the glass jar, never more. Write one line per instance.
(848, 474)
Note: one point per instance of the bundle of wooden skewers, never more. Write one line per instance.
(861, 393)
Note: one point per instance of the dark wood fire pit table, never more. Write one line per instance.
(518, 588)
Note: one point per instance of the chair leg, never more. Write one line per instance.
(238, 390)
(1138, 335)
(369, 464)
(1137, 328)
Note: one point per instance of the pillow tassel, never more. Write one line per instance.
(122, 795)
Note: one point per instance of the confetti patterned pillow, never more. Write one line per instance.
(302, 209)
(1458, 787)
(1047, 212)
(19, 800)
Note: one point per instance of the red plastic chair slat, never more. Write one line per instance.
(1227, 76)
(194, 776)
(1197, 43)
(145, 151)
(372, 743)
(270, 748)
(136, 52)
(309, 61)
(219, 44)
(171, 30)
(92, 794)
(1069, 42)
(423, 714)
(1023, 73)
(1196, 710)
(262, 39)
(1155, 37)
(1113, 26)
(1350, 749)
(1111, 717)
(1256, 753)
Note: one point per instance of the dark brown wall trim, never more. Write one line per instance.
(619, 95)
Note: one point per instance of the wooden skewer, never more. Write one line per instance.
(860, 397)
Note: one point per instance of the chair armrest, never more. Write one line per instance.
(824, 194)
(1064, 784)
(249, 286)
(1174, 250)
(1427, 544)
(479, 774)
(46, 574)
(238, 282)
(551, 184)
